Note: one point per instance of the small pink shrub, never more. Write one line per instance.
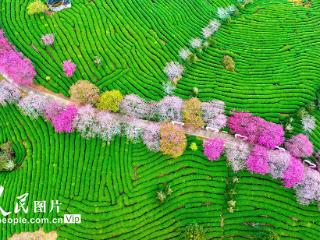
(69, 68)
(299, 146)
(213, 148)
(257, 161)
(63, 122)
(48, 39)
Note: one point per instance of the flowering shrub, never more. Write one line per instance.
(257, 161)
(228, 63)
(169, 108)
(212, 27)
(110, 100)
(169, 87)
(69, 68)
(308, 123)
(278, 162)
(48, 39)
(134, 106)
(213, 148)
(185, 53)
(33, 104)
(133, 129)
(196, 43)
(63, 122)
(36, 7)
(8, 93)
(12, 63)
(237, 153)
(174, 71)
(213, 114)
(308, 189)
(299, 146)
(85, 121)
(294, 173)
(257, 130)
(84, 92)
(107, 126)
(151, 137)
(224, 13)
(172, 140)
(192, 113)
(52, 109)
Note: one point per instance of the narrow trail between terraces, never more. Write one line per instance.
(197, 132)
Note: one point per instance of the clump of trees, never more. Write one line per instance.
(228, 63)
(195, 232)
(110, 100)
(37, 7)
(192, 113)
(84, 92)
(7, 156)
(172, 140)
(13, 64)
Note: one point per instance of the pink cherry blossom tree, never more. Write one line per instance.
(257, 130)
(106, 126)
(69, 68)
(85, 120)
(134, 106)
(237, 153)
(294, 173)
(170, 109)
(151, 137)
(213, 114)
(213, 148)
(278, 162)
(52, 109)
(8, 93)
(299, 146)
(63, 122)
(257, 161)
(33, 104)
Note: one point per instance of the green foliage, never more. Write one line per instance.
(195, 232)
(6, 157)
(110, 100)
(37, 7)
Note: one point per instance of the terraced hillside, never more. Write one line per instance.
(114, 186)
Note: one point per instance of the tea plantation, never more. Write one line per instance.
(114, 186)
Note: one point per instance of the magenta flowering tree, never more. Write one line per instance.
(134, 106)
(8, 93)
(308, 189)
(278, 162)
(213, 114)
(257, 161)
(299, 146)
(13, 64)
(63, 122)
(294, 173)
(69, 68)
(257, 130)
(52, 109)
(85, 121)
(33, 104)
(213, 148)
(151, 137)
(237, 153)
(106, 126)
(170, 109)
